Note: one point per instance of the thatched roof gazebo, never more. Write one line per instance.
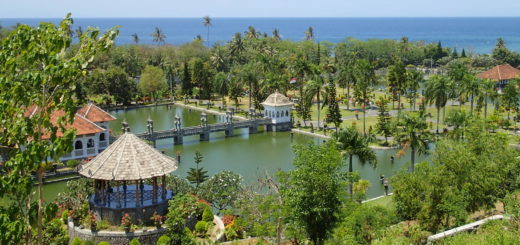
(119, 172)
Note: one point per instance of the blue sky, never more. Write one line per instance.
(258, 8)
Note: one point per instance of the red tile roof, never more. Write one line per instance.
(500, 72)
(95, 114)
(82, 125)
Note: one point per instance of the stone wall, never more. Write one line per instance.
(115, 237)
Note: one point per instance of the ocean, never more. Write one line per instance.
(477, 35)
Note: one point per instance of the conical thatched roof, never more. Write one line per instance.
(277, 99)
(129, 158)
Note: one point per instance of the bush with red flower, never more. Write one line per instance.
(126, 221)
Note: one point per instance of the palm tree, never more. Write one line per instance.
(276, 34)
(488, 93)
(221, 83)
(458, 119)
(438, 92)
(351, 143)
(309, 34)
(251, 33)
(315, 88)
(413, 80)
(135, 38)
(218, 58)
(365, 79)
(413, 133)
(206, 20)
(236, 46)
(396, 77)
(158, 36)
(473, 88)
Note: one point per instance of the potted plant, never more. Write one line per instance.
(92, 221)
(126, 222)
(157, 220)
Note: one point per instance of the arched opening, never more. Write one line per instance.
(90, 143)
(102, 137)
(287, 113)
(78, 145)
(277, 114)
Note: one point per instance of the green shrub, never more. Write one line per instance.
(103, 243)
(102, 225)
(231, 234)
(135, 242)
(207, 215)
(77, 241)
(88, 242)
(65, 216)
(73, 163)
(164, 240)
(201, 227)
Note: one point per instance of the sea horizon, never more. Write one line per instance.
(473, 34)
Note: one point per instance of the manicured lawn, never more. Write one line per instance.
(386, 202)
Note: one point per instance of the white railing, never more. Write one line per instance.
(67, 156)
(78, 152)
(103, 143)
(91, 151)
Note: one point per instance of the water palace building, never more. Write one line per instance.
(92, 131)
(501, 74)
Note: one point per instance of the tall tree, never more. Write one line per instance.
(187, 86)
(276, 34)
(351, 143)
(197, 175)
(414, 79)
(251, 33)
(413, 133)
(365, 80)
(396, 77)
(39, 72)
(158, 36)
(333, 113)
(207, 23)
(152, 81)
(317, 167)
(437, 91)
(384, 121)
(315, 88)
(309, 34)
(510, 97)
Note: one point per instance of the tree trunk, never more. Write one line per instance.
(412, 164)
(471, 109)
(485, 107)
(40, 206)
(348, 96)
(438, 117)
(364, 117)
(350, 170)
(318, 97)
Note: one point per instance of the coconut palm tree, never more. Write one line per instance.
(351, 143)
(473, 88)
(135, 38)
(206, 21)
(488, 92)
(158, 36)
(218, 58)
(251, 33)
(365, 80)
(221, 83)
(309, 34)
(236, 46)
(315, 87)
(413, 133)
(413, 80)
(437, 92)
(276, 34)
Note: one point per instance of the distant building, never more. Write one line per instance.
(501, 74)
(278, 107)
(92, 131)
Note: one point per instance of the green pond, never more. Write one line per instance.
(249, 155)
